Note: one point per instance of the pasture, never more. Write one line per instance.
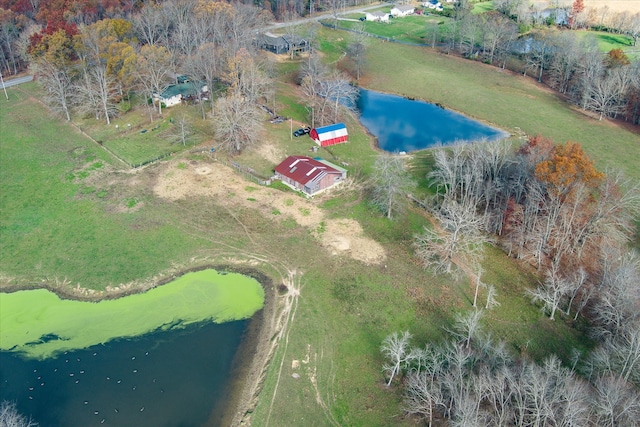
(72, 216)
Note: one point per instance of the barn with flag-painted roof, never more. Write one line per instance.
(330, 135)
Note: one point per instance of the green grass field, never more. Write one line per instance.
(482, 7)
(608, 41)
(70, 213)
(409, 29)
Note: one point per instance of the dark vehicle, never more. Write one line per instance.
(302, 131)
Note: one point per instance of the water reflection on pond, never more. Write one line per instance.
(407, 125)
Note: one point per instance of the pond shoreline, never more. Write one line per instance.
(375, 144)
(251, 358)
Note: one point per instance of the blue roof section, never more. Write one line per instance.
(331, 128)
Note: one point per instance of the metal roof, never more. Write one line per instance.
(330, 128)
(184, 89)
(303, 169)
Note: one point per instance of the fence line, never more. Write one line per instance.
(250, 174)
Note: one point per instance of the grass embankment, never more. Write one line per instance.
(97, 226)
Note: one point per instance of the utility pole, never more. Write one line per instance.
(3, 86)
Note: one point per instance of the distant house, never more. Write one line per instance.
(377, 16)
(433, 4)
(282, 44)
(175, 94)
(330, 135)
(311, 176)
(402, 10)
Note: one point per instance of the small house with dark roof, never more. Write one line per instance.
(282, 44)
(311, 176)
(175, 94)
(330, 135)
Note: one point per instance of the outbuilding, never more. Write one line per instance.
(175, 94)
(402, 10)
(308, 175)
(330, 135)
(377, 16)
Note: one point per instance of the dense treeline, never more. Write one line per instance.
(91, 59)
(545, 204)
(471, 380)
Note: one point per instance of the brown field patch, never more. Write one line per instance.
(218, 181)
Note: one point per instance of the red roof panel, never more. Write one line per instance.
(303, 169)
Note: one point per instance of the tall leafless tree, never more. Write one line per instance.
(390, 184)
(395, 348)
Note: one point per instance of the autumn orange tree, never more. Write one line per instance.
(567, 167)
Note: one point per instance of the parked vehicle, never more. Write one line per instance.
(302, 131)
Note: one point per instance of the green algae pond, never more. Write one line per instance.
(158, 358)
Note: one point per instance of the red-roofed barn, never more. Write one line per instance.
(309, 175)
(330, 135)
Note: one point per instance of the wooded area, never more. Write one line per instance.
(547, 205)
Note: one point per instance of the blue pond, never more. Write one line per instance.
(401, 124)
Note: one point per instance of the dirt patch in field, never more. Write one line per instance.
(177, 181)
(271, 153)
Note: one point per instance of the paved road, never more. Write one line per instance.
(323, 16)
(17, 81)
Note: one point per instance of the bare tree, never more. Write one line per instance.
(153, 68)
(395, 348)
(467, 326)
(182, 129)
(605, 91)
(58, 84)
(10, 417)
(54, 68)
(539, 54)
(616, 305)
(498, 33)
(151, 24)
(391, 182)
(617, 403)
(237, 123)
(552, 293)
(564, 64)
(455, 236)
(491, 298)
(422, 395)
(357, 48)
